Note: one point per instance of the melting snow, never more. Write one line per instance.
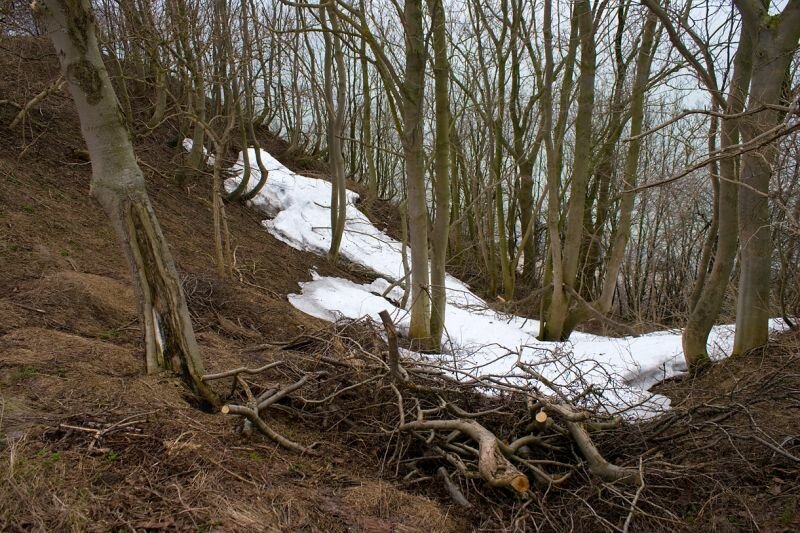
(479, 341)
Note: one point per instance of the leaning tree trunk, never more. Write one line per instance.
(118, 185)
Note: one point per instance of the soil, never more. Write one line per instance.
(90, 442)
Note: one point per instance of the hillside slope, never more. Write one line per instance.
(72, 364)
(88, 442)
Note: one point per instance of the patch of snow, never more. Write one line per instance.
(480, 342)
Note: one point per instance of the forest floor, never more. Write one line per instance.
(89, 442)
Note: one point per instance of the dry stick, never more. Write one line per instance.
(395, 283)
(775, 448)
(283, 392)
(575, 421)
(540, 420)
(247, 427)
(514, 446)
(255, 405)
(242, 370)
(452, 489)
(597, 463)
(398, 373)
(53, 87)
(465, 414)
(627, 525)
(265, 429)
(29, 308)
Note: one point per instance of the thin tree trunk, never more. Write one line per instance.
(623, 229)
(441, 174)
(412, 111)
(713, 230)
(366, 121)
(705, 313)
(564, 275)
(333, 53)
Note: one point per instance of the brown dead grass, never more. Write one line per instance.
(72, 355)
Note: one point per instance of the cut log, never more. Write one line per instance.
(493, 465)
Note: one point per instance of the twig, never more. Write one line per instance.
(29, 308)
(241, 370)
(636, 496)
(452, 489)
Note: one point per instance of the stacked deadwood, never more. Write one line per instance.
(448, 431)
(509, 440)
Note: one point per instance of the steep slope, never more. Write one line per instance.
(87, 440)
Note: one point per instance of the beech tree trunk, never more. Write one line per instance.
(775, 41)
(366, 121)
(336, 110)
(118, 186)
(565, 262)
(623, 229)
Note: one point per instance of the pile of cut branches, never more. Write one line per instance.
(480, 440)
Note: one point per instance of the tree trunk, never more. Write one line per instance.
(118, 185)
(705, 313)
(333, 53)
(366, 120)
(553, 327)
(623, 229)
(412, 110)
(774, 49)
(441, 174)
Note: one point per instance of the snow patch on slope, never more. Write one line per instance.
(479, 341)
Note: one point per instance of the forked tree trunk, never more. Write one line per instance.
(705, 312)
(555, 326)
(774, 48)
(623, 229)
(118, 185)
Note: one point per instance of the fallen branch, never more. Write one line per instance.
(242, 370)
(256, 420)
(597, 463)
(493, 466)
(29, 308)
